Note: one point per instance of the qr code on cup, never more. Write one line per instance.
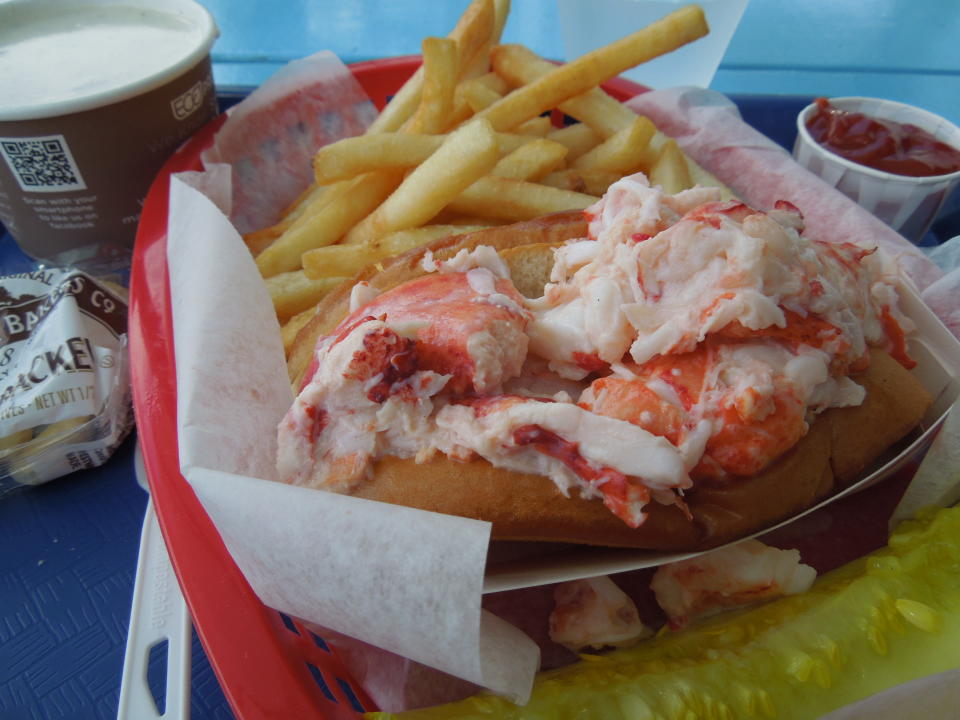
(42, 164)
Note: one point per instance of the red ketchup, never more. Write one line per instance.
(885, 145)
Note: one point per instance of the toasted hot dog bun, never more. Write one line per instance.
(529, 507)
(840, 444)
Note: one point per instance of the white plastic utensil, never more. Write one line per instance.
(158, 614)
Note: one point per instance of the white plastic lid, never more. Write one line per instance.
(64, 56)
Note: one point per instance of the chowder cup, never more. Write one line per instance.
(97, 94)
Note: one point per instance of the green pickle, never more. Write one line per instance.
(885, 619)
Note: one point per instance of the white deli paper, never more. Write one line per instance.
(401, 579)
(405, 580)
(937, 482)
(273, 133)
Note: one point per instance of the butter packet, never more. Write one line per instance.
(64, 374)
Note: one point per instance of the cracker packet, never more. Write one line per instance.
(64, 374)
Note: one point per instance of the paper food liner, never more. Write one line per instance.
(406, 581)
(274, 132)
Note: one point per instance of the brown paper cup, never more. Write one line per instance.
(77, 157)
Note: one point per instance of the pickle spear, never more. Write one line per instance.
(885, 619)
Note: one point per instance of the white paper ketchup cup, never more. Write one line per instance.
(96, 95)
(908, 204)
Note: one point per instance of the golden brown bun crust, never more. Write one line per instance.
(521, 506)
(839, 445)
(896, 404)
(529, 507)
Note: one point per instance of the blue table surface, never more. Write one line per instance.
(898, 49)
(68, 549)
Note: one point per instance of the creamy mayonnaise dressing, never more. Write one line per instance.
(684, 338)
(482, 256)
(361, 294)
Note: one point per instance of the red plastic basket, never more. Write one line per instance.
(268, 664)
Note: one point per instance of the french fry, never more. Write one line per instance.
(474, 29)
(466, 155)
(289, 330)
(340, 260)
(330, 193)
(330, 223)
(494, 82)
(698, 175)
(258, 240)
(670, 169)
(508, 142)
(351, 157)
(566, 81)
(403, 240)
(466, 144)
(440, 67)
(450, 217)
(514, 200)
(315, 198)
(477, 28)
(461, 112)
(519, 66)
(531, 161)
(599, 111)
(578, 138)
(294, 292)
(591, 182)
(474, 94)
(462, 107)
(479, 63)
(304, 202)
(307, 199)
(535, 127)
(347, 260)
(595, 110)
(478, 95)
(622, 152)
(401, 106)
(354, 156)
